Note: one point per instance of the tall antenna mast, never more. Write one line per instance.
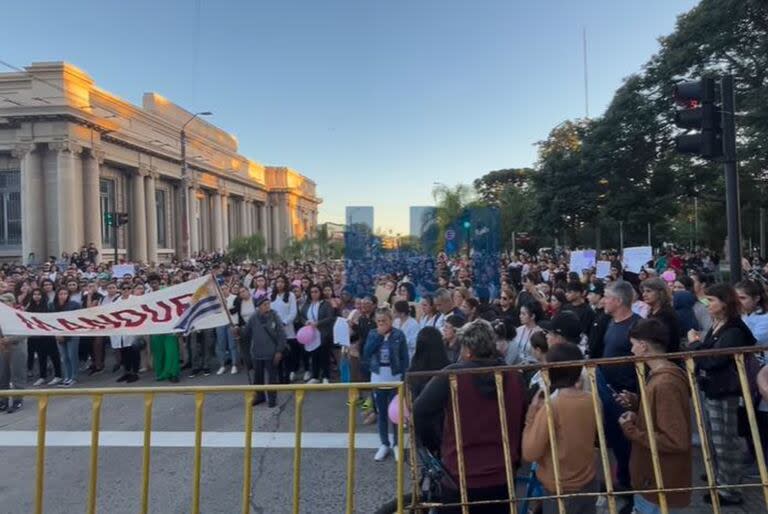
(586, 74)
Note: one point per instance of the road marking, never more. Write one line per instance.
(167, 439)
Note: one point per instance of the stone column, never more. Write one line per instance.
(224, 221)
(91, 199)
(151, 206)
(194, 218)
(276, 228)
(216, 223)
(244, 206)
(263, 228)
(32, 201)
(65, 228)
(137, 218)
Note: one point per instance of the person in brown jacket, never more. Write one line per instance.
(575, 430)
(670, 407)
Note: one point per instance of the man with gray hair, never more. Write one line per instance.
(445, 307)
(478, 416)
(612, 380)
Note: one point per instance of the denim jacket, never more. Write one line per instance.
(398, 351)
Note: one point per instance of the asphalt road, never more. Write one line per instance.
(323, 476)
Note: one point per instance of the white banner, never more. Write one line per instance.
(187, 307)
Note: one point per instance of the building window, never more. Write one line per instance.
(107, 204)
(161, 205)
(10, 208)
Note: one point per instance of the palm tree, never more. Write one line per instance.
(450, 203)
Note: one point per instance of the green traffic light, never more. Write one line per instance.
(467, 224)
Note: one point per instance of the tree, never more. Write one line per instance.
(450, 204)
(491, 186)
(566, 191)
(250, 247)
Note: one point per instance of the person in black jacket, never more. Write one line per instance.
(659, 299)
(318, 313)
(595, 344)
(574, 293)
(45, 346)
(719, 383)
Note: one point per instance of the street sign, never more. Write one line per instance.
(450, 235)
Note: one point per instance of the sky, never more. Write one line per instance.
(374, 100)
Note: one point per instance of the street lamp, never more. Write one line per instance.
(185, 225)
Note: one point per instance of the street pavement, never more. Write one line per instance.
(323, 477)
(324, 457)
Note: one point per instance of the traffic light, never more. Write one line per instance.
(109, 219)
(698, 112)
(122, 218)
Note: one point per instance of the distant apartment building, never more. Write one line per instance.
(356, 215)
(420, 219)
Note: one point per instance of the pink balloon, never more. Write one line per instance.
(306, 335)
(394, 410)
(669, 276)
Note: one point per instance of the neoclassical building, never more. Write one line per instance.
(71, 152)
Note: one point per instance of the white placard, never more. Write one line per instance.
(636, 257)
(121, 270)
(603, 269)
(582, 259)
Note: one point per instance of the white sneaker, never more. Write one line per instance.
(292, 376)
(307, 376)
(55, 381)
(66, 383)
(233, 371)
(325, 381)
(381, 453)
(39, 382)
(313, 381)
(221, 370)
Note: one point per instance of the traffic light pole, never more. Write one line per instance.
(731, 176)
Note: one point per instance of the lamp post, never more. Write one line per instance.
(185, 225)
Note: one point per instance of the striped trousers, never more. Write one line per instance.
(728, 448)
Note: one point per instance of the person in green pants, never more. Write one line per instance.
(165, 354)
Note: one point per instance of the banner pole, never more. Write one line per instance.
(222, 300)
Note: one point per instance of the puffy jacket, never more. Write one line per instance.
(398, 352)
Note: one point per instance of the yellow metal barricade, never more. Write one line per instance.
(611, 494)
(100, 395)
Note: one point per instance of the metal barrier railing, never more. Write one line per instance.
(249, 391)
(610, 492)
(404, 394)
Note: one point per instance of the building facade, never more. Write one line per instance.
(359, 215)
(421, 217)
(71, 152)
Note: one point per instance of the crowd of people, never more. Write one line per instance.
(378, 325)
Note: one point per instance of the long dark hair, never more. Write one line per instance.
(42, 305)
(286, 286)
(430, 351)
(726, 294)
(57, 306)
